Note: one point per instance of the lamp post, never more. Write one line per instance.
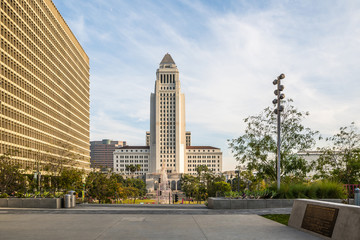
(277, 111)
(238, 179)
(37, 174)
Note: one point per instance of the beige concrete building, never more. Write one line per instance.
(203, 155)
(147, 138)
(168, 142)
(131, 155)
(188, 138)
(44, 86)
(167, 120)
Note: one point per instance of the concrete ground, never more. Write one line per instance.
(142, 222)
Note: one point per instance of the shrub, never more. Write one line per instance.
(28, 195)
(4, 195)
(317, 190)
(247, 194)
(298, 190)
(327, 189)
(233, 195)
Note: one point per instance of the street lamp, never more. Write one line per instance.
(238, 179)
(277, 111)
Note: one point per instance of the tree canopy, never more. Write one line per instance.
(11, 176)
(205, 184)
(341, 160)
(257, 147)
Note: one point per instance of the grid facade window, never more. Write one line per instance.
(136, 156)
(205, 157)
(44, 86)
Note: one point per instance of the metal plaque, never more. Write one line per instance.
(320, 219)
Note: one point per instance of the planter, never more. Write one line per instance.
(3, 202)
(30, 202)
(224, 203)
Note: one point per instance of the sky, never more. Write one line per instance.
(228, 53)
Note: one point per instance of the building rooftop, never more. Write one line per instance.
(167, 59)
(201, 147)
(134, 147)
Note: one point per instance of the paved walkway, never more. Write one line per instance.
(176, 209)
(143, 222)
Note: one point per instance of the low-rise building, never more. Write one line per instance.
(101, 152)
(203, 155)
(131, 155)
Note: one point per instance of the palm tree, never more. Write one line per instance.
(127, 167)
(138, 167)
(133, 168)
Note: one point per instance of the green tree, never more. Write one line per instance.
(11, 177)
(204, 175)
(219, 188)
(258, 146)
(117, 178)
(126, 192)
(190, 185)
(202, 186)
(100, 186)
(55, 165)
(133, 168)
(71, 179)
(341, 161)
(138, 184)
(247, 180)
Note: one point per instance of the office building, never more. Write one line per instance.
(101, 152)
(44, 87)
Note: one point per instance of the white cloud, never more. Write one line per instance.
(227, 58)
(102, 123)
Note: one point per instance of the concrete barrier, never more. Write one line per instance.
(224, 203)
(15, 202)
(227, 203)
(30, 202)
(3, 202)
(326, 219)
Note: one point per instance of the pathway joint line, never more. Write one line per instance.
(106, 229)
(199, 227)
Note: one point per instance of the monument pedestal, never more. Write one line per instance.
(326, 220)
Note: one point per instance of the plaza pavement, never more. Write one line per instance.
(144, 222)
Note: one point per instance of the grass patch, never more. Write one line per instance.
(280, 218)
(154, 201)
(190, 202)
(139, 201)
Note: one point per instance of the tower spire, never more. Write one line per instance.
(167, 59)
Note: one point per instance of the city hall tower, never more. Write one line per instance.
(167, 120)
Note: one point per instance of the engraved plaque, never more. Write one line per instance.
(320, 219)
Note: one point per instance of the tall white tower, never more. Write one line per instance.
(167, 120)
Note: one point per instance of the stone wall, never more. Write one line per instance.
(30, 202)
(225, 203)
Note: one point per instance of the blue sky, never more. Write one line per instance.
(228, 53)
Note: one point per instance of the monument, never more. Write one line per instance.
(164, 190)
